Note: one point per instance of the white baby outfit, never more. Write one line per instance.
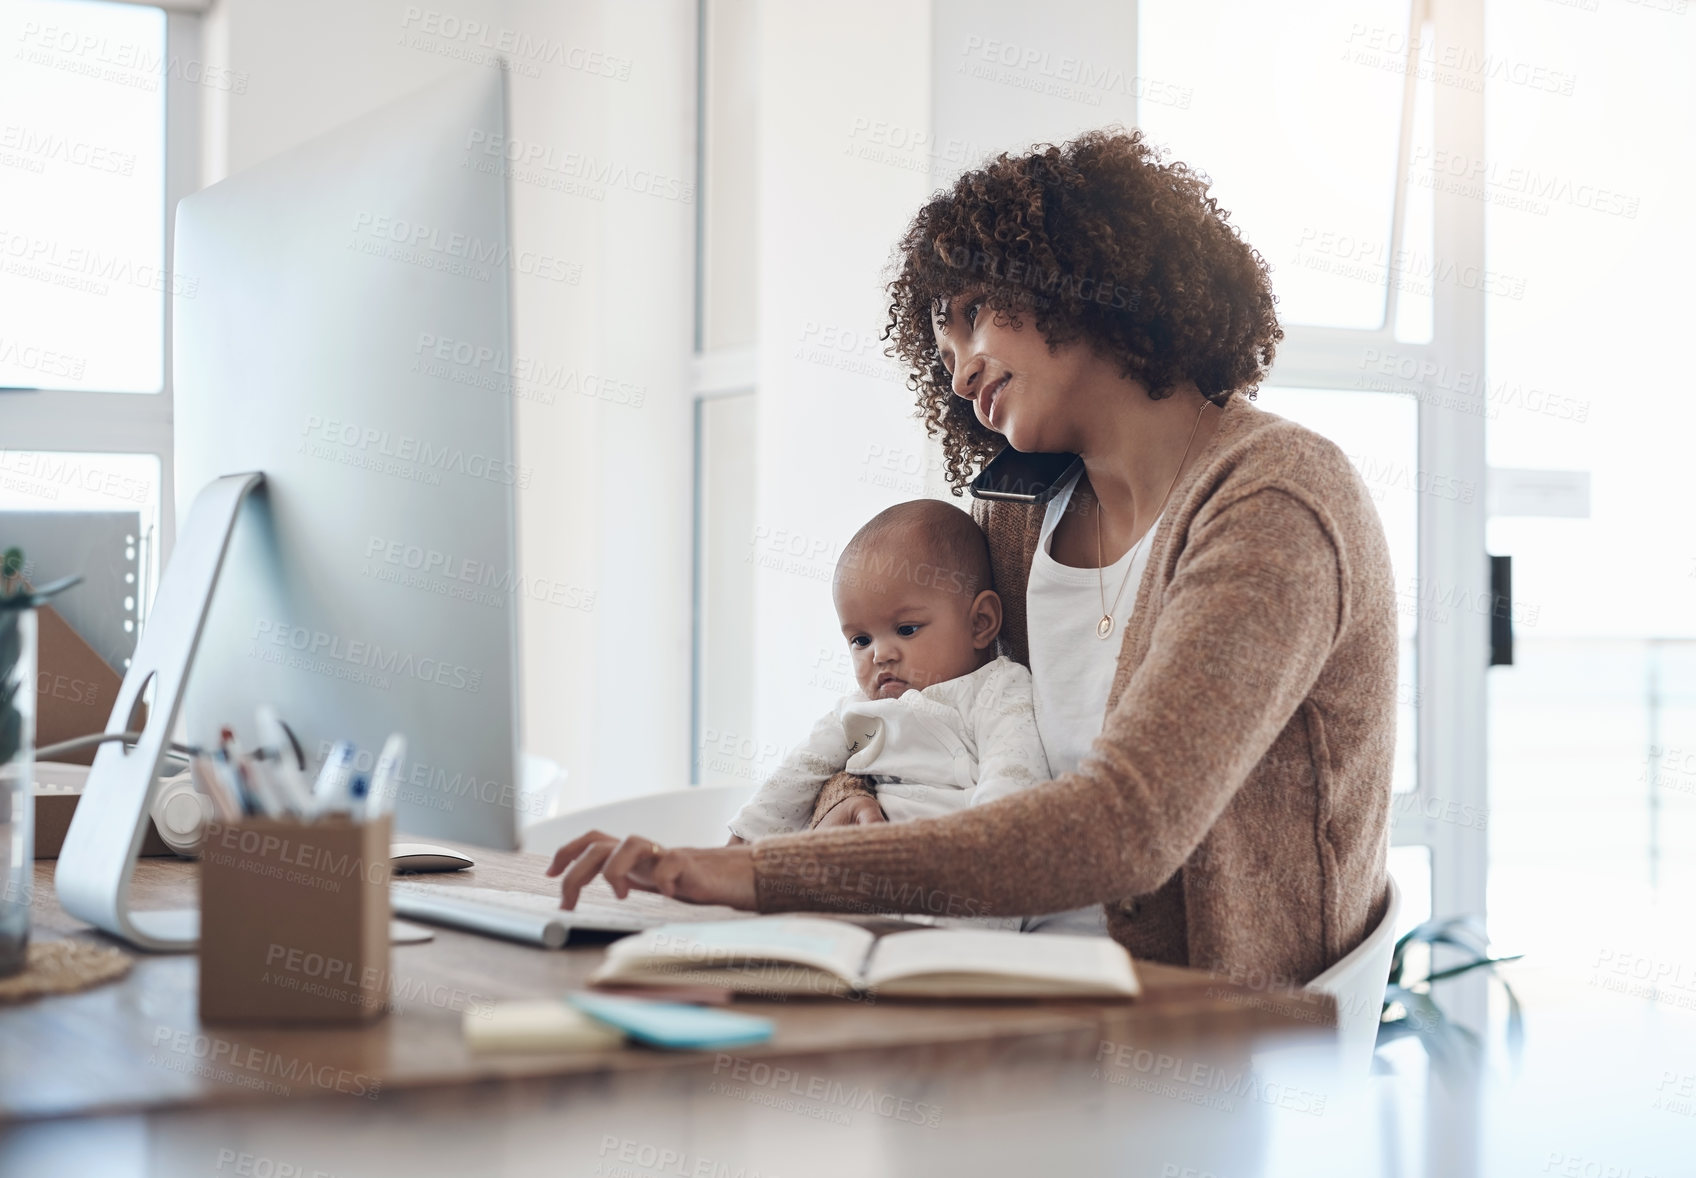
(932, 751)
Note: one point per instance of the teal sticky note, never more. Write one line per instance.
(674, 1024)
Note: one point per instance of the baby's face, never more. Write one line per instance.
(903, 635)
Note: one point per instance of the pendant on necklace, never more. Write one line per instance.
(1105, 626)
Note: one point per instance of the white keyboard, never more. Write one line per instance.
(536, 917)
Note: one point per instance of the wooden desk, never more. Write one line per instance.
(137, 1046)
(892, 1089)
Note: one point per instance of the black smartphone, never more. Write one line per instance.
(1024, 478)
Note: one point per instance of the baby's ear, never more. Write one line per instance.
(985, 618)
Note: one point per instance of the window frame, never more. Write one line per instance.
(105, 422)
(1451, 763)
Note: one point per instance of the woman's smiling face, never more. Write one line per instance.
(1018, 388)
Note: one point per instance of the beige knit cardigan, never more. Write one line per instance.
(1234, 811)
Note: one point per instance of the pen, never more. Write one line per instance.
(330, 793)
(225, 803)
(233, 783)
(258, 786)
(282, 772)
(257, 772)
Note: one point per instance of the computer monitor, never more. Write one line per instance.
(348, 336)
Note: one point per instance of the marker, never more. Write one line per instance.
(330, 794)
(257, 786)
(283, 773)
(233, 783)
(225, 802)
(385, 778)
(257, 773)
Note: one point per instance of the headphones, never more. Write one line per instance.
(182, 809)
(181, 814)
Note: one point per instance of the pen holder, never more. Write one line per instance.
(294, 921)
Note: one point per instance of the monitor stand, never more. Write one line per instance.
(97, 861)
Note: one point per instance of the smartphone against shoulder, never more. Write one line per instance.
(1024, 478)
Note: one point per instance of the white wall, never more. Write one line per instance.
(861, 112)
(1007, 74)
(828, 76)
(864, 111)
(605, 689)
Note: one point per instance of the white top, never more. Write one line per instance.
(1071, 668)
(932, 751)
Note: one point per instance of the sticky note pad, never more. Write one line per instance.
(673, 1024)
(545, 1025)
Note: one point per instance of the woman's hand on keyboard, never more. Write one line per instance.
(698, 875)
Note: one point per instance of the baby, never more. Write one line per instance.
(939, 722)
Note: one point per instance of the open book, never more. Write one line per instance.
(809, 955)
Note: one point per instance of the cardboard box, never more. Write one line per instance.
(74, 690)
(58, 789)
(294, 921)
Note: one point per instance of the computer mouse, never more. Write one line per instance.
(409, 857)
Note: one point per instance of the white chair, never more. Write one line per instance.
(691, 817)
(540, 784)
(1358, 983)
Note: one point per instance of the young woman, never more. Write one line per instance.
(1206, 608)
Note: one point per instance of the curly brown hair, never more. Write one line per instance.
(1096, 238)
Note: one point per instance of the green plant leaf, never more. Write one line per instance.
(11, 719)
(37, 597)
(1454, 971)
(1465, 932)
(1442, 938)
(1397, 1029)
(1450, 1046)
(1455, 1052)
(1516, 1025)
(11, 734)
(1420, 1008)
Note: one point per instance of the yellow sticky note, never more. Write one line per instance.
(543, 1025)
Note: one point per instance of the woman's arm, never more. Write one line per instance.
(1247, 623)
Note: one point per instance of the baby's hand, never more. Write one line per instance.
(856, 810)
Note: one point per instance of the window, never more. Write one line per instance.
(723, 389)
(88, 175)
(82, 170)
(1593, 731)
(1325, 132)
(1296, 115)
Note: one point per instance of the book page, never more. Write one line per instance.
(967, 962)
(744, 946)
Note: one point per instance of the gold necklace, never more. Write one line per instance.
(1105, 626)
